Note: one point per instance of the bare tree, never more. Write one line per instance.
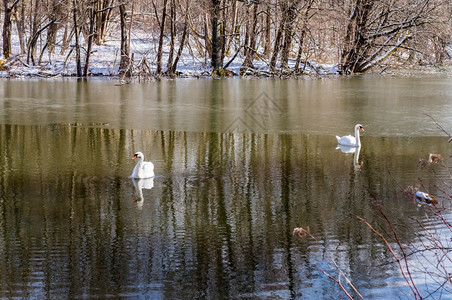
(303, 31)
(267, 31)
(162, 31)
(357, 36)
(217, 63)
(77, 39)
(7, 27)
(251, 32)
(91, 15)
(54, 13)
(290, 19)
(172, 25)
(376, 29)
(104, 10)
(279, 35)
(182, 40)
(20, 25)
(125, 59)
(34, 40)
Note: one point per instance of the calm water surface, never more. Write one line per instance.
(239, 164)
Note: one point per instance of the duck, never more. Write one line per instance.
(425, 198)
(351, 141)
(143, 169)
(432, 158)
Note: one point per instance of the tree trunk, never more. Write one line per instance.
(77, 42)
(33, 41)
(20, 24)
(182, 42)
(216, 45)
(248, 30)
(277, 45)
(267, 31)
(304, 29)
(52, 30)
(34, 24)
(300, 49)
(354, 40)
(251, 51)
(235, 28)
(291, 15)
(222, 33)
(103, 14)
(129, 41)
(125, 59)
(172, 36)
(162, 31)
(89, 42)
(64, 40)
(7, 27)
(207, 41)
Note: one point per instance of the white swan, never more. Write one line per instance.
(352, 141)
(143, 169)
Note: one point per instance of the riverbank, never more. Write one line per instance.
(105, 65)
(104, 62)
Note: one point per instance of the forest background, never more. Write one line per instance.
(154, 38)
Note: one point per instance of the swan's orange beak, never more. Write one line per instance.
(362, 128)
(135, 156)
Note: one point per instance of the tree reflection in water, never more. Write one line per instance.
(217, 223)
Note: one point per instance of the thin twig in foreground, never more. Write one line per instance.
(415, 292)
(440, 127)
(337, 281)
(303, 232)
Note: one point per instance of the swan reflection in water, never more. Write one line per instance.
(140, 184)
(355, 150)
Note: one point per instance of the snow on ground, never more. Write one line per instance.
(104, 60)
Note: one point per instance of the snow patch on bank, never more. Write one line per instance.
(104, 60)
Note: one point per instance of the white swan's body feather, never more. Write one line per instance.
(352, 141)
(143, 169)
(347, 140)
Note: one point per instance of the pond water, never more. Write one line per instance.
(239, 164)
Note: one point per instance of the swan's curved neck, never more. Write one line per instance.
(358, 141)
